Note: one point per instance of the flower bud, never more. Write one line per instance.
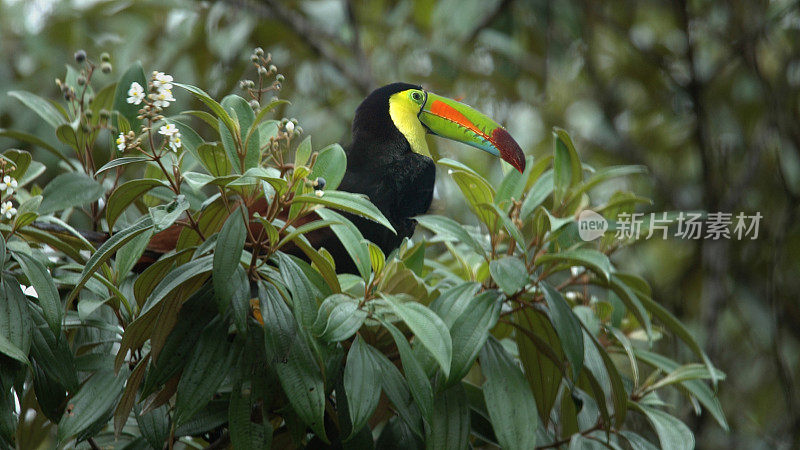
(104, 114)
(262, 71)
(105, 57)
(272, 69)
(259, 51)
(290, 127)
(81, 80)
(298, 130)
(254, 104)
(279, 78)
(277, 86)
(254, 58)
(89, 113)
(80, 56)
(106, 67)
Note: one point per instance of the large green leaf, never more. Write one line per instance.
(206, 369)
(567, 326)
(418, 381)
(592, 259)
(509, 273)
(127, 193)
(338, 318)
(94, 403)
(352, 240)
(331, 165)
(40, 106)
(46, 289)
(541, 356)
(68, 190)
(428, 328)
(15, 322)
(362, 383)
(567, 170)
(509, 399)
(347, 201)
(288, 352)
(304, 293)
(227, 253)
(107, 250)
(450, 422)
(471, 329)
(672, 433)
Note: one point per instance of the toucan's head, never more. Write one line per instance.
(400, 111)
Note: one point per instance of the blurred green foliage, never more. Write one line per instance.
(705, 94)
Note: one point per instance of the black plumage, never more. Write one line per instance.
(382, 165)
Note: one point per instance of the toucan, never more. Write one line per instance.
(388, 161)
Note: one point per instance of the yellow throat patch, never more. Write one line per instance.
(403, 112)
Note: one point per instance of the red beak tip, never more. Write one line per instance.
(510, 151)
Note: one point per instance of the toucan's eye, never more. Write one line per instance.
(416, 96)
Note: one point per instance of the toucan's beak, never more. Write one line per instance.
(454, 120)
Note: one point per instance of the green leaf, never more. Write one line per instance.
(450, 230)
(94, 403)
(165, 215)
(679, 329)
(418, 382)
(567, 170)
(10, 349)
(431, 331)
(303, 152)
(396, 389)
(637, 442)
(672, 433)
(346, 201)
(509, 400)
(338, 318)
(632, 302)
(213, 105)
(127, 193)
(33, 140)
(129, 254)
(107, 250)
(331, 165)
(304, 294)
(470, 331)
(244, 433)
(352, 240)
(567, 326)
(41, 107)
(205, 371)
(288, 352)
(117, 162)
(68, 190)
(46, 289)
(376, 257)
(227, 253)
(591, 259)
(154, 425)
(176, 278)
(513, 183)
(477, 191)
(509, 273)
(128, 110)
(244, 117)
(537, 194)
(214, 159)
(605, 174)
(361, 383)
(15, 322)
(697, 388)
(450, 422)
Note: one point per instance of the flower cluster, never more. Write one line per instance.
(7, 186)
(160, 91)
(173, 136)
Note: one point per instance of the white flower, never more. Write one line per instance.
(572, 295)
(162, 99)
(576, 270)
(169, 130)
(319, 193)
(121, 144)
(135, 93)
(162, 81)
(289, 127)
(8, 210)
(175, 142)
(30, 291)
(8, 185)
